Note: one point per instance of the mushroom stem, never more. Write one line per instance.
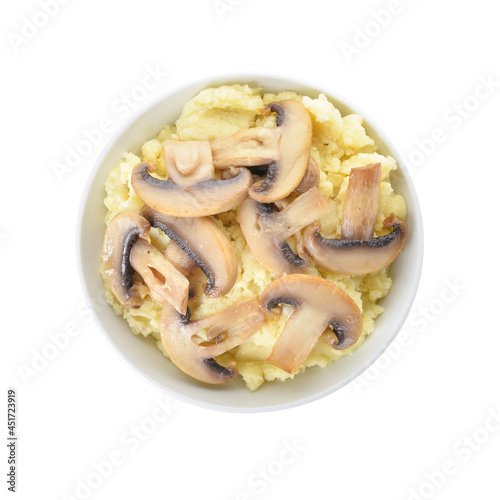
(301, 212)
(300, 334)
(246, 148)
(164, 281)
(179, 258)
(188, 162)
(361, 203)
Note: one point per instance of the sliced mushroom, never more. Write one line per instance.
(184, 264)
(205, 243)
(266, 231)
(179, 258)
(359, 214)
(120, 236)
(356, 256)
(319, 304)
(164, 281)
(224, 331)
(285, 148)
(311, 177)
(188, 162)
(200, 199)
(247, 148)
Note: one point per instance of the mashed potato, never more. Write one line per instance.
(339, 144)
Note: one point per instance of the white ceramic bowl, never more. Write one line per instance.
(147, 360)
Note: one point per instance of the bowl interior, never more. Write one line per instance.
(143, 355)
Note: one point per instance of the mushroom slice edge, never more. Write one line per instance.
(359, 213)
(266, 231)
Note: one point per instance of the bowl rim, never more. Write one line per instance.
(217, 80)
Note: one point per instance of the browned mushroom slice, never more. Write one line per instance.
(188, 162)
(204, 198)
(285, 148)
(266, 231)
(359, 214)
(120, 236)
(224, 331)
(164, 281)
(205, 243)
(356, 256)
(319, 304)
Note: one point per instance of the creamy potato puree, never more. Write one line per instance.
(339, 144)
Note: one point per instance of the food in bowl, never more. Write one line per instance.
(253, 236)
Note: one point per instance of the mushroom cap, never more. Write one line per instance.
(319, 304)
(288, 167)
(120, 236)
(266, 231)
(205, 243)
(224, 331)
(359, 214)
(343, 256)
(164, 281)
(201, 199)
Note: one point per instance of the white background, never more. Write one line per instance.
(380, 437)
